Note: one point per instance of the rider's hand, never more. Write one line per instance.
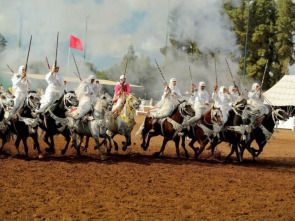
(65, 82)
(215, 87)
(206, 103)
(259, 87)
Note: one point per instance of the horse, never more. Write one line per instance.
(54, 120)
(125, 122)
(203, 129)
(93, 128)
(168, 127)
(25, 125)
(6, 103)
(233, 130)
(263, 131)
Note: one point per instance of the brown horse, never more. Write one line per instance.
(166, 127)
(203, 129)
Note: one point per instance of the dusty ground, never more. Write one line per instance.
(133, 185)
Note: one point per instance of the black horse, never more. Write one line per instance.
(55, 122)
(6, 102)
(25, 125)
(263, 130)
(233, 131)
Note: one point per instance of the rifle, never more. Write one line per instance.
(165, 83)
(47, 63)
(125, 74)
(113, 78)
(10, 69)
(191, 78)
(29, 87)
(231, 74)
(55, 62)
(263, 78)
(78, 75)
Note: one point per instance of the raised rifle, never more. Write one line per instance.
(55, 62)
(263, 78)
(231, 74)
(10, 69)
(165, 83)
(79, 75)
(26, 67)
(47, 63)
(191, 77)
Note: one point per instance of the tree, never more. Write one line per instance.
(284, 38)
(3, 42)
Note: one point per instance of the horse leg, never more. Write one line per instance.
(98, 146)
(128, 141)
(176, 141)
(17, 142)
(228, 159)
(26, 147)
(238, 154)
(80, 140)
(86, 144)
(157, 154)
(4, 140)
(36, 144)
(191, 145)
(68, 139)
(45, 139)
(151, 134)
(201, 149)
(183, 146)
(115, 143)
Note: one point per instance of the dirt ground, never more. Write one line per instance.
(133, 185)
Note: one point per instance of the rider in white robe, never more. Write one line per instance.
(166, 106)
(175, 92)
(234, 92)
(256, 100)
(222, 100)
(21, 84)
(54, 90)
(96, 86)
(85, 96)
(201, 102)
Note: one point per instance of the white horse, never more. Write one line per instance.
(125, 122)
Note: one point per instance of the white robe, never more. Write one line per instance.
(85, 102)
(200, 98)
(222, 101)
(256, 102)
(20, 90)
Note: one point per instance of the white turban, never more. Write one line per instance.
(171, 82)
(21, 68)
(201, 84)
(254, 86)
(221, 90)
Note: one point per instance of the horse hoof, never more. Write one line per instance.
(50, 150)
(63, 152)
(109, 151)
(103, 158)
(124, 148)
(157, 154)
(228, 160)
(95, 148)
(196, 155)
(187, 156)
(40, 156)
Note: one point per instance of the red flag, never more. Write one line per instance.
(76, 43)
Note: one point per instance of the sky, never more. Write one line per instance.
(112, 26)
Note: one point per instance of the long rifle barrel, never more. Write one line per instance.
(26, 67)
(191, 77)
(165, 83)
(10, 69)
(47, 63)
(55, 62)
(79, 75)
(264, 72)
(231, 74)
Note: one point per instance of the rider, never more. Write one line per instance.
(233, 90)
(175, 92)
(85, 96)
(21, 86)
(97, 88)
(54, 90)
(222, 100)
(256, 99)
(201, 102)
(122, 89)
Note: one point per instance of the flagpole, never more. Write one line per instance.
(68, 62)
(85, 38)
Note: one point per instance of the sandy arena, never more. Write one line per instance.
(133, 185)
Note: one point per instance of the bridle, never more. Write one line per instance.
(67, 99)
(182, 110)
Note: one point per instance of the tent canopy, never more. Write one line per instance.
(283, 92)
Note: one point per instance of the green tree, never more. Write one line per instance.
(3, 42)
(284, 38)
(261, 38)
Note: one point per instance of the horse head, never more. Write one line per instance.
(70, 100)
(240, 105)
(6, 100)
(216, 115)
(108, 99)
(33, 100)
(250, 112)
(186, 110)
(133, 102)
(279, 114)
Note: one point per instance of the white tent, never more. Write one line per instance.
(283, 92)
